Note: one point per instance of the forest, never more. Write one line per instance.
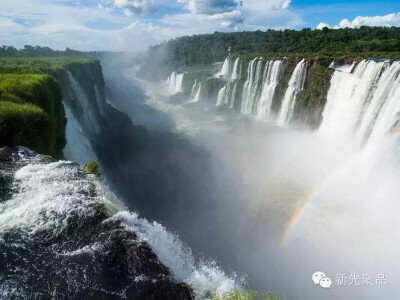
(208, 48)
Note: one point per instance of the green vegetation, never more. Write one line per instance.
(37, 51)
(28, 125)
(247, 295)
(43, 119)
(322, 45)
(38, 64)
(92, 167)
(32, 113)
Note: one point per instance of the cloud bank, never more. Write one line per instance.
(386, 20)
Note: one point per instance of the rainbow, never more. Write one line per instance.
(294, 220)
(307, 200)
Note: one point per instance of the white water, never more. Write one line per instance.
(49, 193)
(385, 91)
(175, 83)
(348, 97)
(89, 118)
(225, 71)
(78, 147)
(195, 92)
(227, 94)
(341, 67)
(350, 226)
(296, 84)
(252, 85)
(272, 76)
(237, 68)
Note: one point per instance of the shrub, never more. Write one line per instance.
(92, 167)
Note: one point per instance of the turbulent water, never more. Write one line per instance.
(296, 84)
(175, 83)
(63, 233)
(309, 201)
(273, 203)
(363, 104)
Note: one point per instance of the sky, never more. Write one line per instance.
(133, 25)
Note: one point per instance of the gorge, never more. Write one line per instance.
(258, 169)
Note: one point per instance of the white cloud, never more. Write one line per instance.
(275, 14)
(228, 19)
(322, 25)
(136, 7)
(120, 25)
(210, 6)
(386, 20)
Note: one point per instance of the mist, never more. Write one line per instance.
(272, 204)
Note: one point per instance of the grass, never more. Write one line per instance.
(248, 294)
(38, 64)
(42, 91)
(28, 125)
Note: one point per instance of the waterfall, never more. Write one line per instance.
(195, 92)
(175, 83)
(340, 67)
(78, 147)
(89, 119)
(296, 84)
(236, 70)
(388, 116)
(221, 96)
(227, 94)
(347, 97)
(385, 88)
(252, 85)
(273, 70)
(224, 73)
(68, 219)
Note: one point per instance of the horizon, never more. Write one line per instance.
(133, 26)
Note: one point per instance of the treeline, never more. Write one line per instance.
(208, 48)
(36, 51)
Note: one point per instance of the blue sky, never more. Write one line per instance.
(133, 25)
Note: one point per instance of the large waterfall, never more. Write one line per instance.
(175, 82)
(363, 104)
(195, 92)
(296, 84)
(237, 69)
(271, 79)
(227, 94)
(225, 71)
(252, 86)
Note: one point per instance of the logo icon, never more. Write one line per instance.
(321, 279)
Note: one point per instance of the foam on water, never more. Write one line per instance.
(48, 194)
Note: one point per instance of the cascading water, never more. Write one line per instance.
(273, 70)
(78, 147)
(175, 82)
(225, 71)
(195, 92)
(388, 117)
(348, 97)
(296, 84)
(340, 67)
(227, 94)
(385, 88)
(252, 85)
(237, 67)
(89, 117)
(70, 221)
